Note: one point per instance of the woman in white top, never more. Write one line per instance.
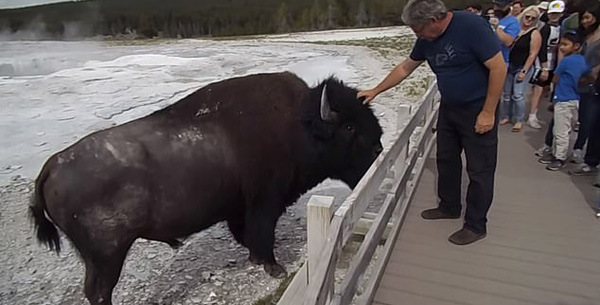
(543, 78)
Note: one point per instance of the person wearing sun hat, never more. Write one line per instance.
(543, 8)
(549, 53)
(556, 6)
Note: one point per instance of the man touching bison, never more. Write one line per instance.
(239, 151)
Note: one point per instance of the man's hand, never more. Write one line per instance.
(494, 22)
(485, 122)
(369, 95)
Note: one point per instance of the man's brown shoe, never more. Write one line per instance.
(465, 236)
(436, 213)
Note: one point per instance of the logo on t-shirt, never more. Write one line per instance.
(448, 54)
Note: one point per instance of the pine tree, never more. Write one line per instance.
(282, 19)
(361, 17)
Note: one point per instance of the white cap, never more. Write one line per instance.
(543, 5)
(556, 6)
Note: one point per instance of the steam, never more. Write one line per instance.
(37, 29)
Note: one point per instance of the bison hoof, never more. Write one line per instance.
(255, 260)
(275, 270)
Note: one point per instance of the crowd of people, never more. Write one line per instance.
(552, 51)
(470, 72)
(484, 66)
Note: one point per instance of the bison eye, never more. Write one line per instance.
(350, 128)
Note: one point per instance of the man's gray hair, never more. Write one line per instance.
(421, 12)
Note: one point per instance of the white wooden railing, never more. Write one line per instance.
(328, 232)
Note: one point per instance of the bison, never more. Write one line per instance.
(240, 150)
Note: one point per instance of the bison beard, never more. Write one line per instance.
(240, 151)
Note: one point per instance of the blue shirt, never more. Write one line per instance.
(457, 58)
(569, 70)
(510, 26)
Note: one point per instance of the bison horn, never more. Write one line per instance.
(327, 114)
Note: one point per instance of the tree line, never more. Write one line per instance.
(197, 18)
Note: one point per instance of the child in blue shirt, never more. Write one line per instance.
(566, 96)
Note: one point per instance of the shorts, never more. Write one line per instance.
(535, 78)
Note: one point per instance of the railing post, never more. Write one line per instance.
(403, 116)
(319, 211)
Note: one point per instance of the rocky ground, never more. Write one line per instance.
(209, 269)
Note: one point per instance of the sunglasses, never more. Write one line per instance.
(529, 17)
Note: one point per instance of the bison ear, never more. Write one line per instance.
(327, 114)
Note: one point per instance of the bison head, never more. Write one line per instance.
(347, 130)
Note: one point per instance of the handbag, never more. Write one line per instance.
(535, 77)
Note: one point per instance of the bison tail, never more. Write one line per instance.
(45, 230)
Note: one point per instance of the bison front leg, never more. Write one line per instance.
(260, 239)
(236, 227)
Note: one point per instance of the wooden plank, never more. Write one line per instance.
(369, 215)
(402, 116)
(448, 292)
(416, 152)
(387, 296)
(319, 211)
(321, 282)
(380, 264)
(294, 293)
(527, 295)
(365, 252)
(582, 253)
(364, 225)
(479, 260)
(531, 284)
(400, 162)
(585, 267)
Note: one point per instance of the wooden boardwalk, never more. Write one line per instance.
(543, 243)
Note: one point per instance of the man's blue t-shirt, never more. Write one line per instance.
(510, 26)
(569, 71)
(457, 58)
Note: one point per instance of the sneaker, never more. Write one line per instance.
(504, 121)
(583, 170)
(533, 122)
(465, 236)
(543, 151)
(436, 213)
(555, 165)
(546, 159)
(577, 156)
